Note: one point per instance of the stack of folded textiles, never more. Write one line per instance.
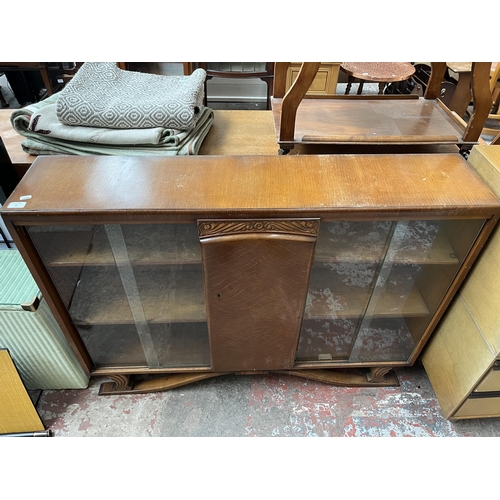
(104, 110)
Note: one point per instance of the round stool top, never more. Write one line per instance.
(379, 71)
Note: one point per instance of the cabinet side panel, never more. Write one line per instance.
(256, 287)
(456, 357)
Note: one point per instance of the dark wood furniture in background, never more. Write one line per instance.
(379, 72)
(323, 267)
(393, 120)
(262, 70)
(42, 67)
(9, 177)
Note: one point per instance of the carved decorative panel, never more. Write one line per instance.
(256, 277)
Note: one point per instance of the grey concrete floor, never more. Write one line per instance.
(260, 406)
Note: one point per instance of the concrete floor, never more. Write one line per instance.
(260, 405)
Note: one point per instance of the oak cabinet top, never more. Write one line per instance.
(349, 186)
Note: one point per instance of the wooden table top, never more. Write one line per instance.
(12, 140)
(234, 132)
(379, 71)
(346, 187)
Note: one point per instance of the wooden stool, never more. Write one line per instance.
(379, 72)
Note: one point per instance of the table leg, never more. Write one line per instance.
(46, 80)
(381, 87)
(360, 88)
(350, 80)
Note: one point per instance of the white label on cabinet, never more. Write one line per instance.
(17, 204)
(27, 197)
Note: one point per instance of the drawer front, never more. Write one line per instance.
(480, 407)
(491, 382)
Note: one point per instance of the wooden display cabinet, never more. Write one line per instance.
(333, 268)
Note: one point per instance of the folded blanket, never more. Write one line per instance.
(103, 95)
(46, 135)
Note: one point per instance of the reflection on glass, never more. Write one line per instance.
(134, 292)
(375, 286)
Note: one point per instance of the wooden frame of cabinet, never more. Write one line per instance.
(249, 264)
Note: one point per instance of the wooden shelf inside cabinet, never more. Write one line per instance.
(385, 339)
(176, 345)
(334, 299)
(167, 297)
(150, 244)
(353, 247)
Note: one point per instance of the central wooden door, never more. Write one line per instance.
(256, 275)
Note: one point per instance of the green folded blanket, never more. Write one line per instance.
(103, 95)
(46, 135)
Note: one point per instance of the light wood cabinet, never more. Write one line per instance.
(334, 268)
(463, 358)
(325, 82)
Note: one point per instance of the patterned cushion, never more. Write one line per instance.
(103, 95)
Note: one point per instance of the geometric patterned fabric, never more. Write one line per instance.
(103, 95)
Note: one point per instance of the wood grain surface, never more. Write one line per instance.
(99, 188)
(255, 287)
(17, 413)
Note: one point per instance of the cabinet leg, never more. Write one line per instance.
(122, 385)
(378, 377)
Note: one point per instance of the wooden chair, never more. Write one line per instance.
(399, 123)
(264, 71)
(495, 95)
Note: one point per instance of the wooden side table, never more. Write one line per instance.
(382, 73)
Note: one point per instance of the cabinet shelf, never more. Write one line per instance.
(363, 242)
(161, 244)
(329, 297)
(166, 297)
(176, 345)
(383, 339)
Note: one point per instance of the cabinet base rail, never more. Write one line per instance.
(126, 384)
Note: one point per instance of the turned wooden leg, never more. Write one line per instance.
(378, 375)
(121, 382)
(360, 87)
